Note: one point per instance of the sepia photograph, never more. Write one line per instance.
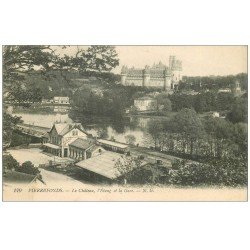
(124, 123)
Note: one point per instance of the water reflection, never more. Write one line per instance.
(109, 128)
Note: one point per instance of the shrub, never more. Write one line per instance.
(18, 139)
(9, 162)
(28, 168)
(227, 171)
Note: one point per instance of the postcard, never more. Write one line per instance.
(125, 123)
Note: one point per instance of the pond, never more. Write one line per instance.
(109, 128)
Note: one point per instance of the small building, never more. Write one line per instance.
(61, 109)
(82, 149)
(46, 101)
(61, 135)
(226, 90)
(113, 146)
(189, 92)
(106, 167)
(145, 104)
(216, 114)
(101, 168)
(61, 100)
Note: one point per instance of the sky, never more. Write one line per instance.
(196, 60)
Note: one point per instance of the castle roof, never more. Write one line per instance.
(157, 70)
(135, 72)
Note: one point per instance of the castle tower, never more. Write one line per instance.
(236, 89)
(146, 76)
(176, 71)
(171, 61)
(167, 79)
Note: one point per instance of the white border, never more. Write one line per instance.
(124, 225)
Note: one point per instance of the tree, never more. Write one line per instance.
(21, 61)
(220, 132)
(9, 162)
(205, 102)
(225, 171)
(130, 139)
(9, 123)
(125, 166)
(102, 133)
(155, 129)
(238, 112)
(182, 101)
(162, 99)
(19, 139)
(224, 101)
(240, 137)
(189, 126)
(111, 103)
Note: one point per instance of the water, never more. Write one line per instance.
(116, 128)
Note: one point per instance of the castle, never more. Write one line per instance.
(157, 76)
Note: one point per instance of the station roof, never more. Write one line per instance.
(64, 128)
(103, 164)
(46, 135)
(111, 143)
(18, 177)
(81, 143)
(49, 145)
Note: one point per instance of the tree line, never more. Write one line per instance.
(205, 102)
(187, 134)
(202, 83)
(110, 101)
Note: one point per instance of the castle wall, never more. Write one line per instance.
(146, 80)
(156, 83)
(149, 82)
(123, 79)
(158, 76)
(167, 83)
(134, 81)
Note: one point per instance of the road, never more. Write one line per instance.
(36, 156)
(52, 178)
